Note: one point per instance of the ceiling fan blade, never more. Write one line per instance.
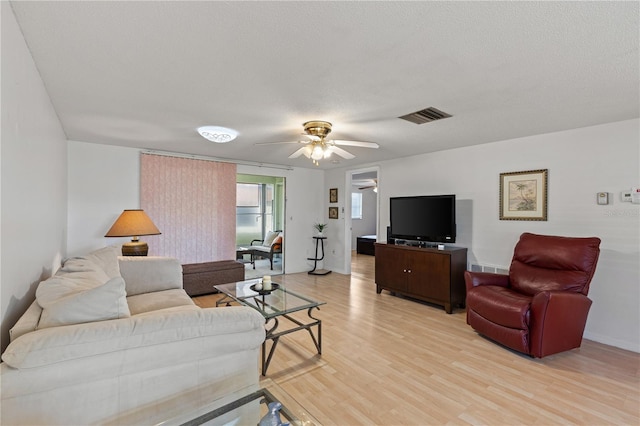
(314, 138)
(304, 150)
(366, 187)
(356, 143)
(342, 153)
(365, 182)
(276, 143)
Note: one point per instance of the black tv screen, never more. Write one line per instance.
(424, 218)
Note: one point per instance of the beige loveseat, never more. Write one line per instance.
(116, 340)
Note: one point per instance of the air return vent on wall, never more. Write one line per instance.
(425, 116)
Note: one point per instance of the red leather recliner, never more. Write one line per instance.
(541, 307)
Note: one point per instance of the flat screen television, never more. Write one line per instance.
(429, 218)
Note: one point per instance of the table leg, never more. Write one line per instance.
(274, 342)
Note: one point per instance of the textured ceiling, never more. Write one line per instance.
(146, 74)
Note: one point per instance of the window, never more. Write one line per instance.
(356, 205)
(254, 212)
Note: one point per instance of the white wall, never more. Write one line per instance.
(104, 180)
(581, 162)
(33, 178)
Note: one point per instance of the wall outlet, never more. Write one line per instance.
(625, 196)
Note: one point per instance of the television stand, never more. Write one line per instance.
(428, 274)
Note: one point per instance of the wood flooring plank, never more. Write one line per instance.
(391, 360)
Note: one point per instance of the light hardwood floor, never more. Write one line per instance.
(392, 361)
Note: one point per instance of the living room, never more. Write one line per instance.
(60, 195)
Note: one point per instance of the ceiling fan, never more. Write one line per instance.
(320, 147)
(368, 184)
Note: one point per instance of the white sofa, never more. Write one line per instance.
(116, 340)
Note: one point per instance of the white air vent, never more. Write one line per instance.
(426, 115)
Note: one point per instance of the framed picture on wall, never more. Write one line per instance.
(333, 212)
(333, 195)
(523, 195)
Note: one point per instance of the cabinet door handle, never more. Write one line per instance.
(404, 270)
(409, 271)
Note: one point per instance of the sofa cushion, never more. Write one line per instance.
(170, 326)
(107, 259)
(81, 291)
(146, 274)
(148, 302)
(262, 249)
(79, 298)
(277, 240)
(268, 239)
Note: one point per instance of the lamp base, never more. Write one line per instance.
(135, 248)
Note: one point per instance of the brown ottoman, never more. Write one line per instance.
(199, 278)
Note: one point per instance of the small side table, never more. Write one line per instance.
(315, 271)
(241, 251)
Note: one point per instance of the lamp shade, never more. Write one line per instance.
(133, 223)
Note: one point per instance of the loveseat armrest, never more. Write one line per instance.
(151, 330)
(146, 274)
(475, 279)
(558, 319)
(27, 323)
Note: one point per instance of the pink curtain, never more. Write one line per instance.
(193, 204)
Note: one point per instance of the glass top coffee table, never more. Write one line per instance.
(274, 305)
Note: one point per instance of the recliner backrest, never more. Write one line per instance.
(552, 263)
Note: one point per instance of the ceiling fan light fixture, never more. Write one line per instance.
(317, 153)
(217, 134)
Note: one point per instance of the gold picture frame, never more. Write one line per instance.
(333, 195)
(523, 195)
(333, 212)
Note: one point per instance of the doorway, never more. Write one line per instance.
(362, 209)
(260, 215)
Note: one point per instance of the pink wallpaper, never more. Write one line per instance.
(193, 204)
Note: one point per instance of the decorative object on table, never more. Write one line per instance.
(261, 290)
(272, 418)
(320, 228)
(333, 195)
(333, 212)
(523, 195)
(133, 223)
(266, 282)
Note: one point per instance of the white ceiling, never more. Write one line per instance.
(146, 74)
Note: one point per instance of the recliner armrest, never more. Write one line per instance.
(558, 319)
(475, 279)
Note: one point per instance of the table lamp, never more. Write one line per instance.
(133, 223)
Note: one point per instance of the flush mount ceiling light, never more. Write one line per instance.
(217, 134)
